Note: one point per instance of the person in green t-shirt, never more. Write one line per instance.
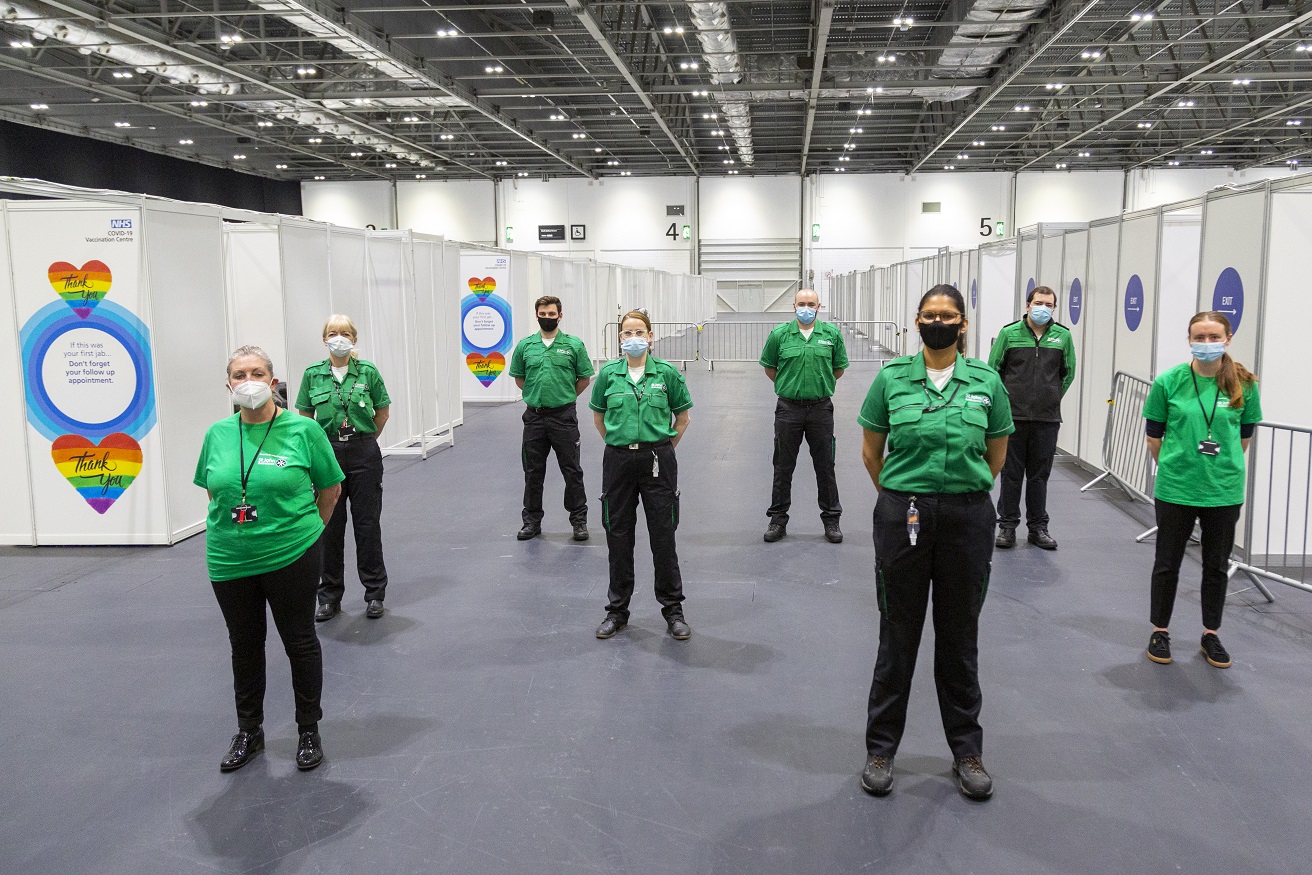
(944, 420)
(347, 398)
(553, 369)
(633, 402)
(1200, 416)
(804, 358)
(272, 481)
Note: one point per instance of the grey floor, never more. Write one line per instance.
(480, 727)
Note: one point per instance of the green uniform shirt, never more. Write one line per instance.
(639, 413)
(360, 393)
(936, 440)
(805, 367)
(550, 372)
(296, 460)
(1184, 475)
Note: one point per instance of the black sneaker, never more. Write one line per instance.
(1006, 538)
(580, 531)
(1159, 647)
(774, 532)
(972, 780)
(878, 775)
(833, 534)
(1215, 653)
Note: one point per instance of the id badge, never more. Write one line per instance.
(346, 431)
(1209, 447)
(245, 513)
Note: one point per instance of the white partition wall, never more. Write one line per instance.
(1137, 282)
(16, 523)
(306, 298)
(253, 279)
(1234, 247)
(1101, 312)
(997, 293)
(391, 343)
(1070, 303)
(1181, 241)
(1283, 314)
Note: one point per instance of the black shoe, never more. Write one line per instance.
(375, 609)
(833, 534)
(529, 532)
(610, 626)
(245, 745)
(1215, 653)
(580, 531)
(1159, 647)
(1041, 539)
(1006, 538)
(309, 753)
(679, 628)
(972, 780)
(326, 611)
(878, 775)
(774, 532)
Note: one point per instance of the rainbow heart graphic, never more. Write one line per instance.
(482, 287)
(99, 472)
(486, 367)
(82, 288)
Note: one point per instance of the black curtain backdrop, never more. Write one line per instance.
(55, 157)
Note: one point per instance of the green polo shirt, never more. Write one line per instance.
(805, 366)
(360, 393)
(1184, 475)
(936, 440)
(641, 412)
(550, 372)
(296, 459)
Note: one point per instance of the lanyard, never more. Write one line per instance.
(1215, 401)
(341, 386)
(948, 403)
(241, 449)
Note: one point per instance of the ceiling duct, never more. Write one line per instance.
(726, 66)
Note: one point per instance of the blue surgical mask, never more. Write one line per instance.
(1208, 352)
(634, 346)
(806, 315)
(1040, 314)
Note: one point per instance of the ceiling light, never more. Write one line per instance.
(598, 149)
(978, 143)
(40, 106)
(687, 65)
(903, 22)
(502, 163)
(1144, 126)
(447, 31)
(886, 58)
(856, 130)
(239, 157)
(1243, 82)
(357, 154)
(1172, 163)
(421, 176)
(1061, 166)
(630, 173)
(263, 124)
(717, 133)
(1204, 151)
(200, 103)
(305, 71)
(280, 167)
(701, 94)
(1025, 107)
(963, 156)
(316, 139)
(122, 124)
(1091, 55)
(446, 136)
(727, 161)
(522, 173)
(850, 146)
(321, 177)
(1142, 16)
(20, 43)
(558, 117)
(1054, 86)
(612, 163)
(733, 172)
(997, 127)
(495, 68)
(1185, 104)
(710, 115)
(1301, 47)
(1083, 154)
(389, 166)
(1292, 162)
(410, 118)
(122, 74)
(578, 136)
(185, 142)
(949, 167)
(1294, 122)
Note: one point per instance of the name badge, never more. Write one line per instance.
(1209, 447)
(245, 513)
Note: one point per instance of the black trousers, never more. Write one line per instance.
(1029, 458)
(544, 431)
(362, 463)
(950, 561)
(815, 422)
(289, 593)
(653, 475)
(1175, 523)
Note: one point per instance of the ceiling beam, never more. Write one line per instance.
(824, 21)
(1221, 134)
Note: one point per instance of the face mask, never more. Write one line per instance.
(936, 335)
(1208, 352)
(252, 394)
(340, 346)
(548, 325)
(1040, 314)
(634, 346)
(806, 315)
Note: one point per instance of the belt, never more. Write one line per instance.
(641, 445)
(358, 436)
(549, 409)
(804, 402)
(941, 497)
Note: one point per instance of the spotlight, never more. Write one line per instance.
(185, 142)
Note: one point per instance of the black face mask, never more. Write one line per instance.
(548, 325)
(936, 335)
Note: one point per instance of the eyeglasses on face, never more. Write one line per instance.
(947, 317)
(634, 332)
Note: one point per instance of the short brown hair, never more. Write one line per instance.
(636, 314)
(1040, 290)
(548, 301)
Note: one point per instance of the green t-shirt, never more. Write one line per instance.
(1184, 475)
(804, 367)
(550, 372)
(641, 412)
(296, 460)
(360, 393)
(936, 439)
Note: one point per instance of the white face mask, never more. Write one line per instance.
(339, 345)
(252, 394)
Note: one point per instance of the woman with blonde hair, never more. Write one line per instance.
(1201, 416)
(346, 396)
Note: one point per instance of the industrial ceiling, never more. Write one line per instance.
(397, 89)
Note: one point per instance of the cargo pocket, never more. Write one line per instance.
(881, 590)
(674, 511)
(605, 513)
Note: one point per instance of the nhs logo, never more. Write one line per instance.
(120, 223)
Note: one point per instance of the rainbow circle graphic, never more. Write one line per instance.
(502, 308)
(53, 321)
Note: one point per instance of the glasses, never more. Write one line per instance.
(640, 332)
(948, 318)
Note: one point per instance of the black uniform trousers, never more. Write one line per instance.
(547, 429)
(792, 421)
(627, 475)
(1175, 523)
(289, 593)
(950, 561)
(362, 463)
(1029, 458)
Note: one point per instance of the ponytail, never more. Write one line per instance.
(1233, 379)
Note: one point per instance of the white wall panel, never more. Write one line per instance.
(1100, 314)
(16, 524)
(997, 294)
(306, 299)
(1137, 281)
(391, 310)
(1061, 196)
(1070, 302)
(1177, 295)
(1233, 251)
(1285, 396)
(458, 209)
(254, 294)
(751, 207)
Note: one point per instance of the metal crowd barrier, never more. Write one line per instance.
(675, 341)
(743, 341)
(1277, 523)
(869, 341)
(1125, 455)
